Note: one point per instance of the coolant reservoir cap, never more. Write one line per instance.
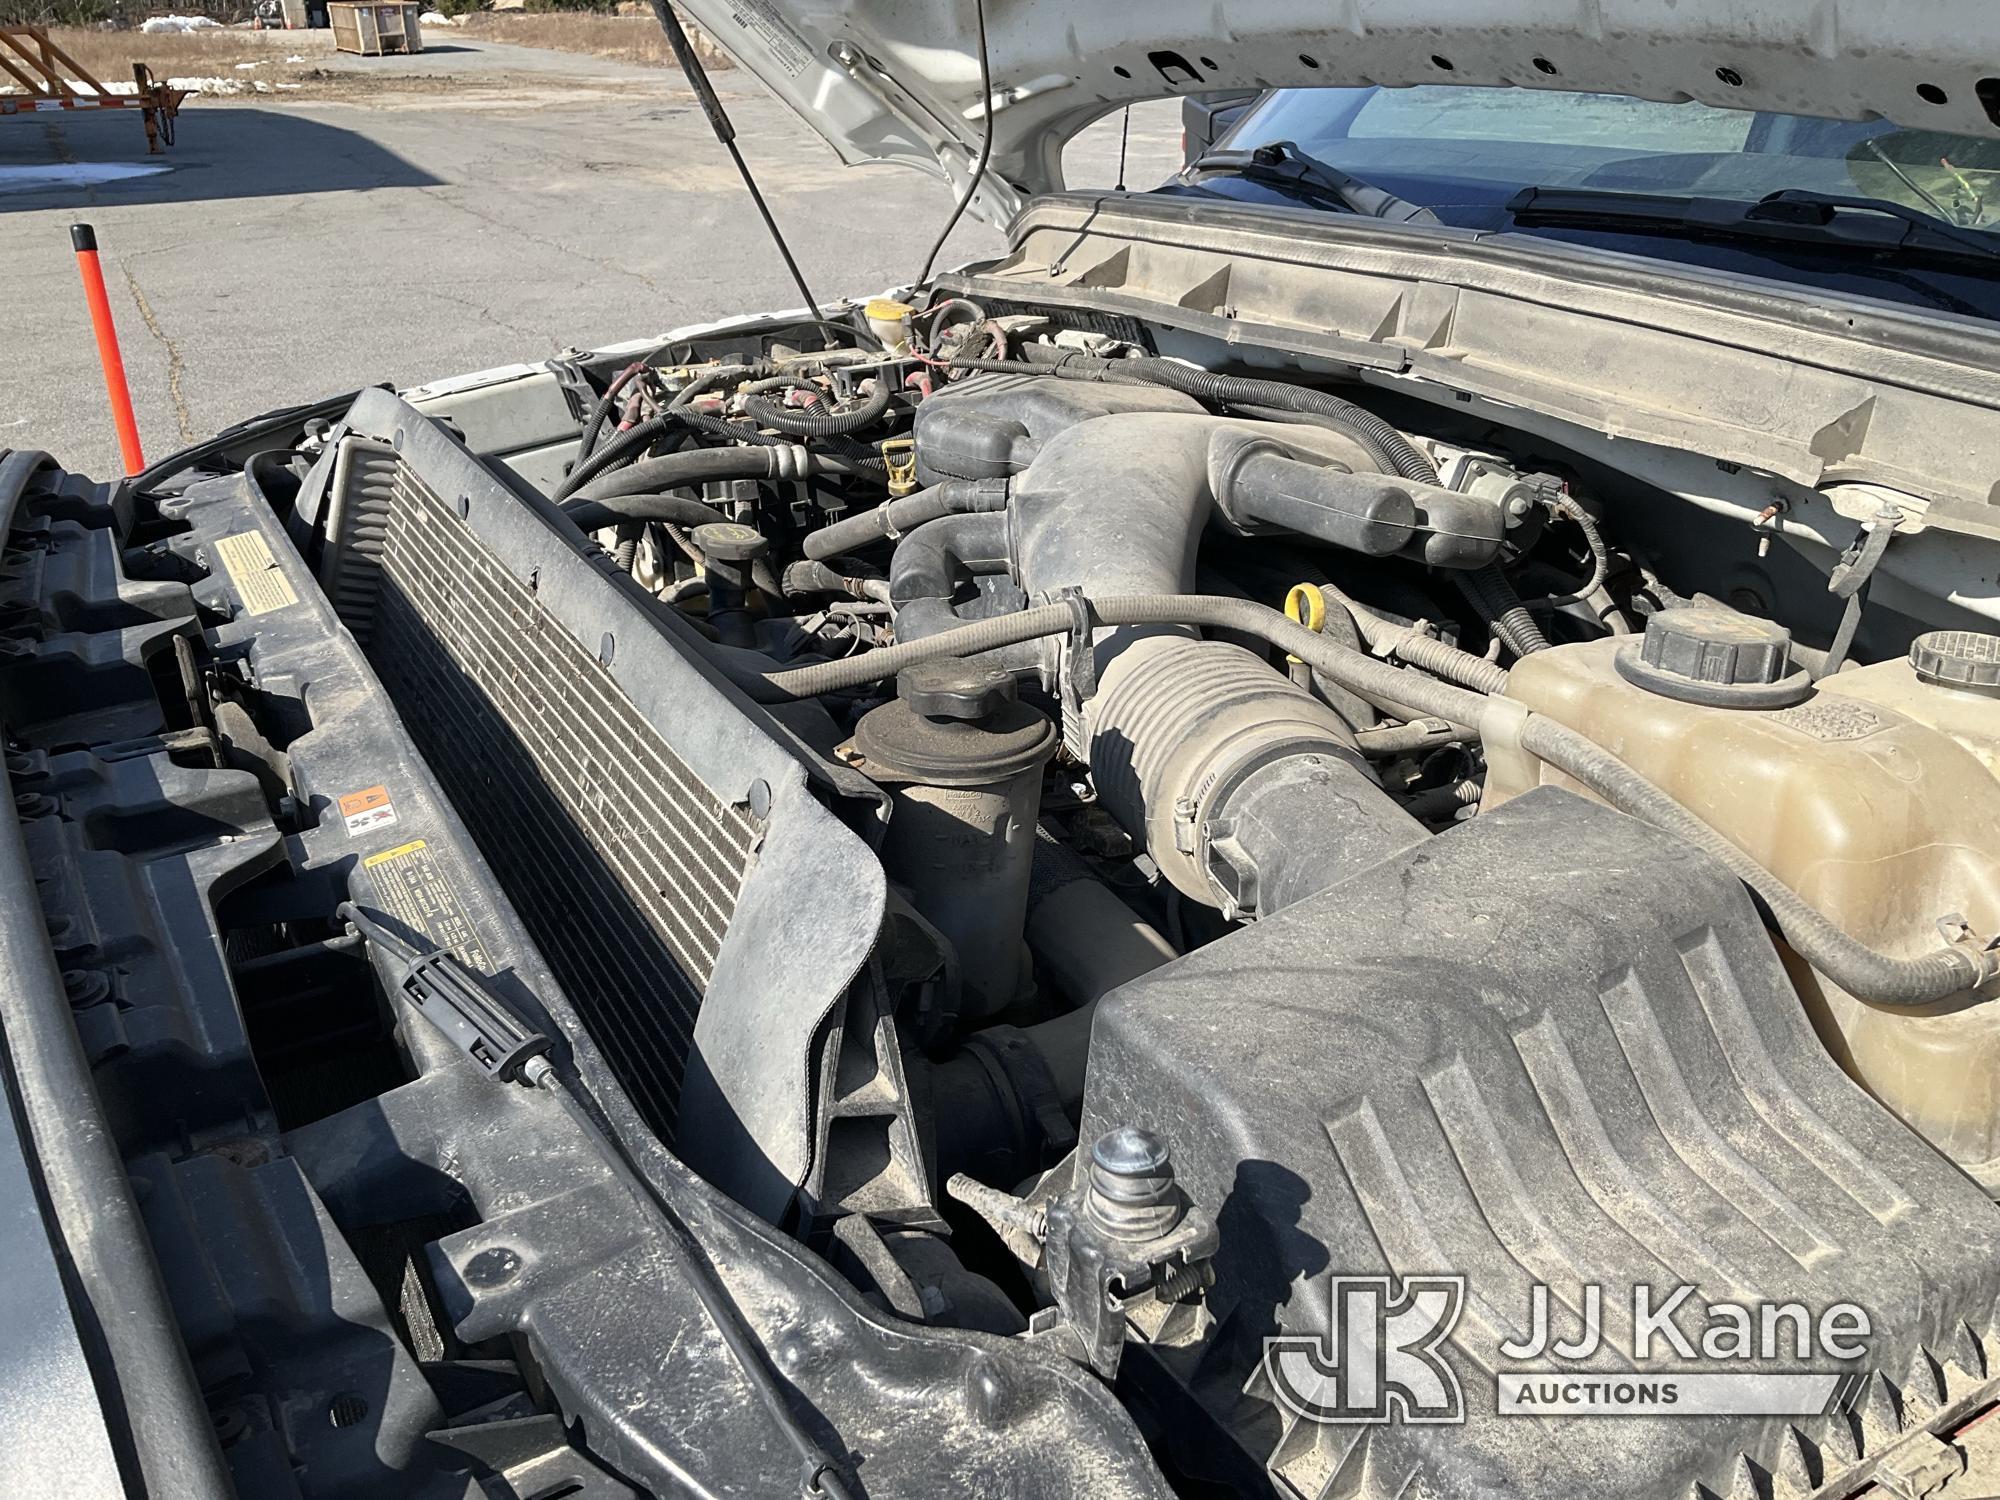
(1719, 658)
(1966, 659)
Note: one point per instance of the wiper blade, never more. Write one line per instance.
(1822, 221)
(1283, 164)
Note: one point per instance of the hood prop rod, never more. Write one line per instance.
(725, 132)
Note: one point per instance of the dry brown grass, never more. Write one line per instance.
(109, 55)
(629, 39)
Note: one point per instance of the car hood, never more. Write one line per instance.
(898, 80)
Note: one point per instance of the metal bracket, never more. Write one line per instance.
(1080, 671)
(1849, 580)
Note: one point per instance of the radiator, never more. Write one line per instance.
(702, 911)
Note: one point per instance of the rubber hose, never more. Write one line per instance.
(818, 578)
(683, 510)
(895, 517)
(1380, 437)
(628, 545)
(629, 444)
(1443, 801)
(1401, 739)
(1870, 976)
(818, 423)
(704, 465)
(1874, 977)
(1383, 460)
(702, 384)
(928, 562)
(1407, 643)
(1404, 455)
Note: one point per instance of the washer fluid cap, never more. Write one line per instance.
(1719, 658)
(1968, 659)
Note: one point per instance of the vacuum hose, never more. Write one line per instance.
(954, 497)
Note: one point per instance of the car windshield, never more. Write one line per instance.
(1471, 149)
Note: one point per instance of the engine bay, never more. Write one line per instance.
(992, 860)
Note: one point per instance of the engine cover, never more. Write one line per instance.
(1552, 1046)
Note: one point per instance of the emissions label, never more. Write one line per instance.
(761, 20)
(410, 885)
(367, 809)
(260, 583)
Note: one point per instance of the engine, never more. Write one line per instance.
(1241, 765)
(1114, 856)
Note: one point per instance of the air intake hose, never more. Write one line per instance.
(1247, 791)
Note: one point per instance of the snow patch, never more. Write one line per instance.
(75, 174)
(159, 24)
(185, 85)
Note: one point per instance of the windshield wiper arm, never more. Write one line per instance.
(1870, 226)
(1283, 164)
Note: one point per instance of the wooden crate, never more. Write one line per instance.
(374, 29)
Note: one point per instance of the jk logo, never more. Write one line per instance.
(1379, 1360)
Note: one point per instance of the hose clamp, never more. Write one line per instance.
(1080, 674)
(790, 461)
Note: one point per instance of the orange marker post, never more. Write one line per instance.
(84, 238)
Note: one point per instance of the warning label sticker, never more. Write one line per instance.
(260, 583)
(368, 808)
(410, 885)
(761, 19)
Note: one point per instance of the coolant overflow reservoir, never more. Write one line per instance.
(1873, 795)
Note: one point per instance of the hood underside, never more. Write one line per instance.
(898, 80)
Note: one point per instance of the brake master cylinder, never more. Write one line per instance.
(1888, 825)
(963, 760)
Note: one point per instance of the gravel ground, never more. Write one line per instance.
(462, 209)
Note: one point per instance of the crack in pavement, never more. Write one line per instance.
(176, 366)
(437, 195)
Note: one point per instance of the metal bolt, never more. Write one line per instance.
(495, 1267)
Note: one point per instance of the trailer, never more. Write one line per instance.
(52, 81)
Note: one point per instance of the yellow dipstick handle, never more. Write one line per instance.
(1305, 605)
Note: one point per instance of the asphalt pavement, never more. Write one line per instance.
(498, 204)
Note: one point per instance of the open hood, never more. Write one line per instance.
(898, 80)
